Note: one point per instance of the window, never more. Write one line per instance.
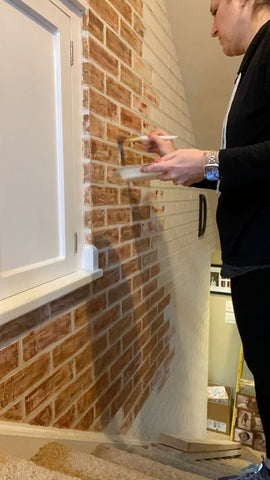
(39, 143)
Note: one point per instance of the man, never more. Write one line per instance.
(240, 170)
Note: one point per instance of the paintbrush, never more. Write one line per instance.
(145, 138)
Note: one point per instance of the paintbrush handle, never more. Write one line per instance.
(144, 138)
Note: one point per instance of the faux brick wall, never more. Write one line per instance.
(127, 353)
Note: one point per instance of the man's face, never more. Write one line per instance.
(228, 25)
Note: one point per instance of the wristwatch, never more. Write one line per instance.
(211, 167)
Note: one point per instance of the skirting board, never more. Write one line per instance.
(186, 445)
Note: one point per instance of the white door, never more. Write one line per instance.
(36, 147)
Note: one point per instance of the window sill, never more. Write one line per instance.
(29, 300)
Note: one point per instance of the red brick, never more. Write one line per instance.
(120, 364)
(97, 126)
(140, 246)
(132, 399)
(86, 73)
(103, 106)
(149, 347)
(105, 11)
(118, 215)
(150, 287)
(140, 106)
(123, 8)
(106, 238)
(67, 420)
(131, 267)
(102, 57)
(114, 132)
(86, 421)
(44, 418)
(129, 78)
(95, 26)
(155, 270)
(94, 218)
(68, 396)
(140, 310)
(149, 258)
(97, 196)
(13, 414)
(94, 173)
(24, 379)
(92, 351)
(107, 397)
(130, 302)
(119, 254)
(164, 303)
(157, 296)
(85, 98)
(103, 362)
(86, 148)
(87, 311)
(104, 152)
(109, 278)
(156, 324)
(150, 94)
(70, 346)
(138, 5)
(92, 394)
(128, 232)
(129, 119)
(144, 367)
(118, 92)
(131, 368)
(118, 292)
(165, 352)
(141, 213)
(163, 330)
(130, 196)
(101, 422)
(156, 352)
(149, 317)
(121, 398)
(131, 336)
(138, 25)
(119, 328)
(118, 47)
(102, 323)
(9, 359)
(48, 388)
(141, 278)
(131, 37)
(96, 79)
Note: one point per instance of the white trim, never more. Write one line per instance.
(29, 300)
(77, 6)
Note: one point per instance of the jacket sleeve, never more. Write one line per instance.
(243, 167)
(205, 184)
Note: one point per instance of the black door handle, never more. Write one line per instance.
(202, 215)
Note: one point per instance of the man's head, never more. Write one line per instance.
(237, 21)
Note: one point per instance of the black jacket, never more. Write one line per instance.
(243, 213)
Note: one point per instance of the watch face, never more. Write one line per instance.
(212, 172)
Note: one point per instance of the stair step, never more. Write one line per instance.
(60, 458)
(143, 465)
(18, 469)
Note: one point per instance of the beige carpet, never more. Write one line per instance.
(82, 465)
(143, 465)
(12, 468)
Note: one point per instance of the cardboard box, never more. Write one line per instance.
(219, 415)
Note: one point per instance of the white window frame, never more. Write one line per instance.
(86, 258)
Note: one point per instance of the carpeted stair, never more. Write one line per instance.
(56, 461)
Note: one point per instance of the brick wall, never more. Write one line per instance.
(117, 352)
